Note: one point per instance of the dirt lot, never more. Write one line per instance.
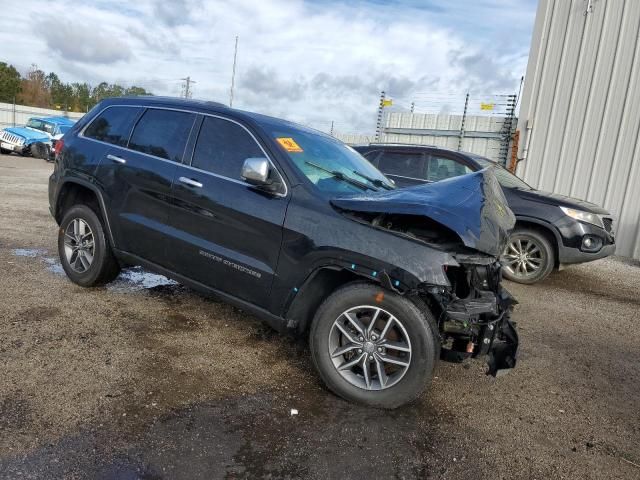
(146, 379)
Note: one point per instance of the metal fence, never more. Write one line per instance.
(12, 114)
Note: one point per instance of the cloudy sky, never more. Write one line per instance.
(310, 61)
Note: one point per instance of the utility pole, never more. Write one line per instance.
(331, 131)
(379, 121)
(413, 106)
(233, 72)
(186, 87)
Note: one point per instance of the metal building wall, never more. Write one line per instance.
(580, 112)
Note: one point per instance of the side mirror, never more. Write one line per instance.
(256, 171)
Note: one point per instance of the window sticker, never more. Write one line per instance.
(289, 144)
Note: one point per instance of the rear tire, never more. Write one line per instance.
(84, 249)
(406, 350)
(5, 151)
(528, 258)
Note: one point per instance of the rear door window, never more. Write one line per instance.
(402, 164)
(441, 168)
(162, 133)
(222, 148)
(113, 125)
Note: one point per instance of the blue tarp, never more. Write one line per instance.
(472, 205)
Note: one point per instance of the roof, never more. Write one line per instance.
(177, 101)
(56, 120)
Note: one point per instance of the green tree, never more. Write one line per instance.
(82, 100)
(133, 90)
(9, 82)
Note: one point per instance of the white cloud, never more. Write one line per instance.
(312, 62)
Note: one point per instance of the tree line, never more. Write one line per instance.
(39, 89)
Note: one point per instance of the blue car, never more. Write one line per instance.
(36, 138)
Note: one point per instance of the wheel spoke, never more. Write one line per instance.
(355, 322)
(386, 328)
(83, 260)
(366, 371)
(373, 321)
(76, 227)
(382, 375)
(533, 267)
(346, 333)
(394, 360)
(399, 346)
(352, 363)
(513, 248)
(344, 349)
(519, 243)
(88, 256)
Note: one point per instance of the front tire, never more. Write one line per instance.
(40, 150)
(373, 347)
(84, 250)
(528, 258)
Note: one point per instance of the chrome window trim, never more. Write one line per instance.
(146, 107)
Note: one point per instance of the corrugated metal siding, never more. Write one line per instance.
(580, 113)
(443, 131)
(24, 113)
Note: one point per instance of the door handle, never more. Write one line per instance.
(116, 159)
(191, 183)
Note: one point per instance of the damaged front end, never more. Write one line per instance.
(468, 218)
(475, 314)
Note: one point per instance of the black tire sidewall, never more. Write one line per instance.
(95, 272)
(416, 323)
(544, 243)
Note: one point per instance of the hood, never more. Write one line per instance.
(562, 201)
(471, 205)
(28, 133)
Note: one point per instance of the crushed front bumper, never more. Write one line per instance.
(476, 319)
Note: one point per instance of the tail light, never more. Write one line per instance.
(58, 147)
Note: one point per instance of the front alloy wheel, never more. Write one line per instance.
(370, 347)
(528, 257)
(373, 346)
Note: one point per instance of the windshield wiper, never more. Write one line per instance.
(375, 181)
(345, 178)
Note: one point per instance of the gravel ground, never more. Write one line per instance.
(146, 379)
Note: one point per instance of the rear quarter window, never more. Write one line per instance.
(162, 133)
(113, 125)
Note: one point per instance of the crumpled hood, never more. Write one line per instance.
(472, 205)
(28, 133)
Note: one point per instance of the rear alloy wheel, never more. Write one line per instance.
(528, 257)
(85, 253)
(373, 346)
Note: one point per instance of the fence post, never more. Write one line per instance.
(464, 117)
(14, 111)
(379, 122)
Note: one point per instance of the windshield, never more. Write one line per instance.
(504, 176)
(329, 164)
(40, 125)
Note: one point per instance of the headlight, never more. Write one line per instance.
(583, 216)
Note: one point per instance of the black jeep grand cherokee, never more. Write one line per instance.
(295, 227)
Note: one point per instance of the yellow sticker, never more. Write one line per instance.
(486, 106)
(289, 144)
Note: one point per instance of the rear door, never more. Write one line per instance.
(226, 234)
(137, 172)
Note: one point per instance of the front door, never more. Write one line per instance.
(226, 234)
